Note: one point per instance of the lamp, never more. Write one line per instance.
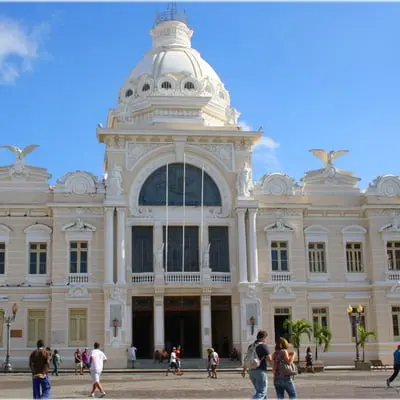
(252, 322)
(355, 314)
(115, 325)
(9, 320)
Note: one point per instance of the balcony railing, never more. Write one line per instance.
(221, 277)
(182, 277)
(143, 278)
(281, 276)
(78, 279)
(393, 275)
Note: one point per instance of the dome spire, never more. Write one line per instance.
(171, 14)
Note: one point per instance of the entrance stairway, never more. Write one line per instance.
(187, 363)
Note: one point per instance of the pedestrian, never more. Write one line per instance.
(309, 360)
(56, 362)
(396, 366)
(97, 359)
(283, 380)
(255, 363)
(214, 361)
(209, 362)
(39, 363)
(132, 355)
(78, 361)
(178, 352)
(172, 362)
(85, 360)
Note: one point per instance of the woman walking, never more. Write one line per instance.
(309, 360)
(283, 382)
(56, 362)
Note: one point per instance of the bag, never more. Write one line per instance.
(251, 360)
(288, 369)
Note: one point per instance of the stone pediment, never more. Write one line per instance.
(387, 185)
(278, 226)
(392, 227)
(25, 177)
(277, 184)
(330, 176)
(78, 226)
(80, 183)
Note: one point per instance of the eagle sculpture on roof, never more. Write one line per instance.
(327, 157)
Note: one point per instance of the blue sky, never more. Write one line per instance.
(316, 75)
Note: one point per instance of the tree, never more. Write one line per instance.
(296, 330)
(322, 336)
(363, 336)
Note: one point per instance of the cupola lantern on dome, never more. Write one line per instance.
(173, 83)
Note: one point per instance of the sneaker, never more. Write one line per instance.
(103, 394)
(387, 383)
(91, 395)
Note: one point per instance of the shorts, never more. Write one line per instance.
(79, 365)
(213, 367)
(173, 365)
(95, 375)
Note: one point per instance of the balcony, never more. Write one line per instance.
(191, 278)
(393, 275)
(145, 278)
(221, 278)
(78, 279)
(281, 276)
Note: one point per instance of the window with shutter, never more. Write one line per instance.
(36, 327)
(78, 320)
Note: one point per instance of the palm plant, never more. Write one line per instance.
(322, 336)
(363, 336)
(296, 330)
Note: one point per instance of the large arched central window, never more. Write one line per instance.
(199, 187)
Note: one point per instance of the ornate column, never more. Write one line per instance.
(253, 254)
(159, 342)
(206, 331)
(121, 246)
(158, 254)
(242, 246)
(109, 245)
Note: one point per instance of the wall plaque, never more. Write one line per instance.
(16, 333)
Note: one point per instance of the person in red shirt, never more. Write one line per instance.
(178, 360)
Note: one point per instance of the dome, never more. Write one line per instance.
(173, 72)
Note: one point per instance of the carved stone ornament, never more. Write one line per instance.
(392, 227)
(79, 183)
(138, 150)
(115, 293)
(79, 226)
(206, 256)
(281, 291)
(159, 258)
(277, 184)
(279, 225)
(251, 292)
(387, 185)
(244, 182)
(280, 212)
(222, 152)
(114, 183)
(78, 292)
(115, 343)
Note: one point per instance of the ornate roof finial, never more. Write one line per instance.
(171, 14)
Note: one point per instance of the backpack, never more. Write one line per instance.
(251, 360)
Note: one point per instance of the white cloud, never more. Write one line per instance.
(19, 48)
(245, 126)
(265, 159)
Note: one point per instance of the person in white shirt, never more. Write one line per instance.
(172, 361)
(214, 361)
(97, 359)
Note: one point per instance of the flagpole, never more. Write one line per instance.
(184, 212)
(166, 225)
(202, 218)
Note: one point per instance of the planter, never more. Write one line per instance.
(362, 365)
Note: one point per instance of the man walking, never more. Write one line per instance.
(97, 359)
(39, 361)
(255, 363)
(396, 366)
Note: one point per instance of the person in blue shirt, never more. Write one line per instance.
(258, 376)
(396, 366)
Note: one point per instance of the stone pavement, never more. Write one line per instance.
(332, 384)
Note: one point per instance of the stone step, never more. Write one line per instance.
(188, 363)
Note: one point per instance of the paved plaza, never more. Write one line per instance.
(343, 384)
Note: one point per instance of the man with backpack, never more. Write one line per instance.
(255, 362)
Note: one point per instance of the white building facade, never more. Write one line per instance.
(177, 245)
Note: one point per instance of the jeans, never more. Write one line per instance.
(396, 369)
(282, 385)
(41, 388)
(259, 380)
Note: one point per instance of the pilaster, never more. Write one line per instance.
(159, 342)
(206, 321)
(253, 253)
(109, 245)
(242, 246)
(121, 246)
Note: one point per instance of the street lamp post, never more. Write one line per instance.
(116, 326)
(252, 322)
(356, 322)
(9, 320)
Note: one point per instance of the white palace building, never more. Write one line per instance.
(177, 245)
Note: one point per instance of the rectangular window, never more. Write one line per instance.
(2, 258)
(396, 321)
(1, 327)
(37, 258)
(393, 254)
(176, 263)
(78, 257)
(354, 316)
(320, 316)
(354, 257)
(78, 322)
(218, 237)
(142, 249)
(316, 257)
(36, 326)
(279, 256)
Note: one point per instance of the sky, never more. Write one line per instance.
(313, 75)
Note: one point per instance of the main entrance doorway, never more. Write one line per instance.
(221, 322)
(142, 326)
(280, 316)
(182, 324)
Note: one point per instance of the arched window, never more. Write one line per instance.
(189, 86)
(146, 87)
(153, 192)
(166, 85)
